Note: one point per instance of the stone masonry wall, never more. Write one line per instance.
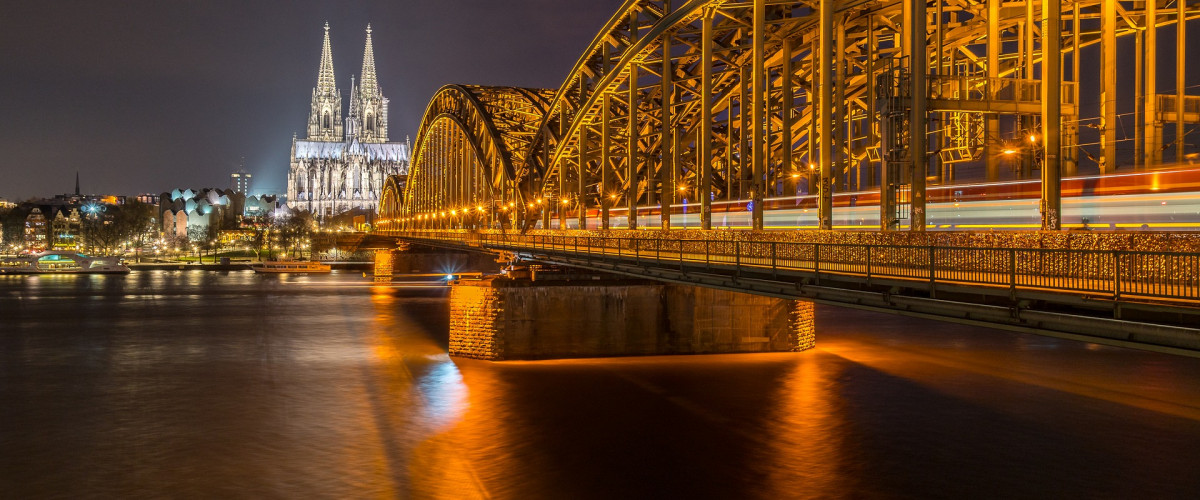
(504, 319)
(476, 322)
(383, 265)
(804, 325)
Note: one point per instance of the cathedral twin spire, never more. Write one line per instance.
(369, 85)
(325, 79)
(367, 121)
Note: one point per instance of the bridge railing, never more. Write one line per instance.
(1109, 274)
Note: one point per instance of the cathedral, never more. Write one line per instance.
(342, 163)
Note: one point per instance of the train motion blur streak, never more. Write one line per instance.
(1162, 200)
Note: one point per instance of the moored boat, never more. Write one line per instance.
(290, 266)
(58, 262)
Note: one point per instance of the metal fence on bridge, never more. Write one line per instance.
(1113, 274)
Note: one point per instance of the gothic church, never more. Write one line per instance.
(342, 164)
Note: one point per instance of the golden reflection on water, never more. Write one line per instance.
(445, 466)
(431, 464)
(804, 444)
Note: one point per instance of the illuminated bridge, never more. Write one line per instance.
(864, 153)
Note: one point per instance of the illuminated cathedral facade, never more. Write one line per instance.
(343, 163)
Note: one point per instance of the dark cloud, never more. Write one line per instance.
(144, 96)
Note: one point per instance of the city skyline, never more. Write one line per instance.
(146, 97)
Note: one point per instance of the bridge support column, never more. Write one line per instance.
(631, 147)
(1051, 116)
(501, 319)
(1108, 86)
(667, 145)
(1180, 82)
(917, 126)
(384, 264)
(757, 118)
(704, 130)
(1152, 129)
(995, 44)
(824, 124)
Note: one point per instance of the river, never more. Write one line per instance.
(194, 384)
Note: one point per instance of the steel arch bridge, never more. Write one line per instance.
(677, 105)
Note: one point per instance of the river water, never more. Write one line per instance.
(192, 384)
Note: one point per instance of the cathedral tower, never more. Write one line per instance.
(325, 119)
(368, 107)
(342, 168)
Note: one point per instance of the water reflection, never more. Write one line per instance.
(804, 441)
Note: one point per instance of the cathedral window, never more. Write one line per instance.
(326, 122)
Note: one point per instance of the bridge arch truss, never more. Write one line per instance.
(690, 102)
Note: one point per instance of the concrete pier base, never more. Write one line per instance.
(384, 261)
(416, 260)
(503, 319)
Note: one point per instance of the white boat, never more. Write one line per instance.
(290, 266)
(58, 262)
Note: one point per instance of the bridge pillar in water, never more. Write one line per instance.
(384, 264)
(506, 319)
(421, 260)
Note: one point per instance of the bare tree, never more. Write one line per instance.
(135, 221)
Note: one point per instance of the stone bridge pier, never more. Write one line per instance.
(501, 318)
(416, 259)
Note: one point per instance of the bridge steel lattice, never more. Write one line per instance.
(736, 100)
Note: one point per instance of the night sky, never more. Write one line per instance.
(146, 96)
